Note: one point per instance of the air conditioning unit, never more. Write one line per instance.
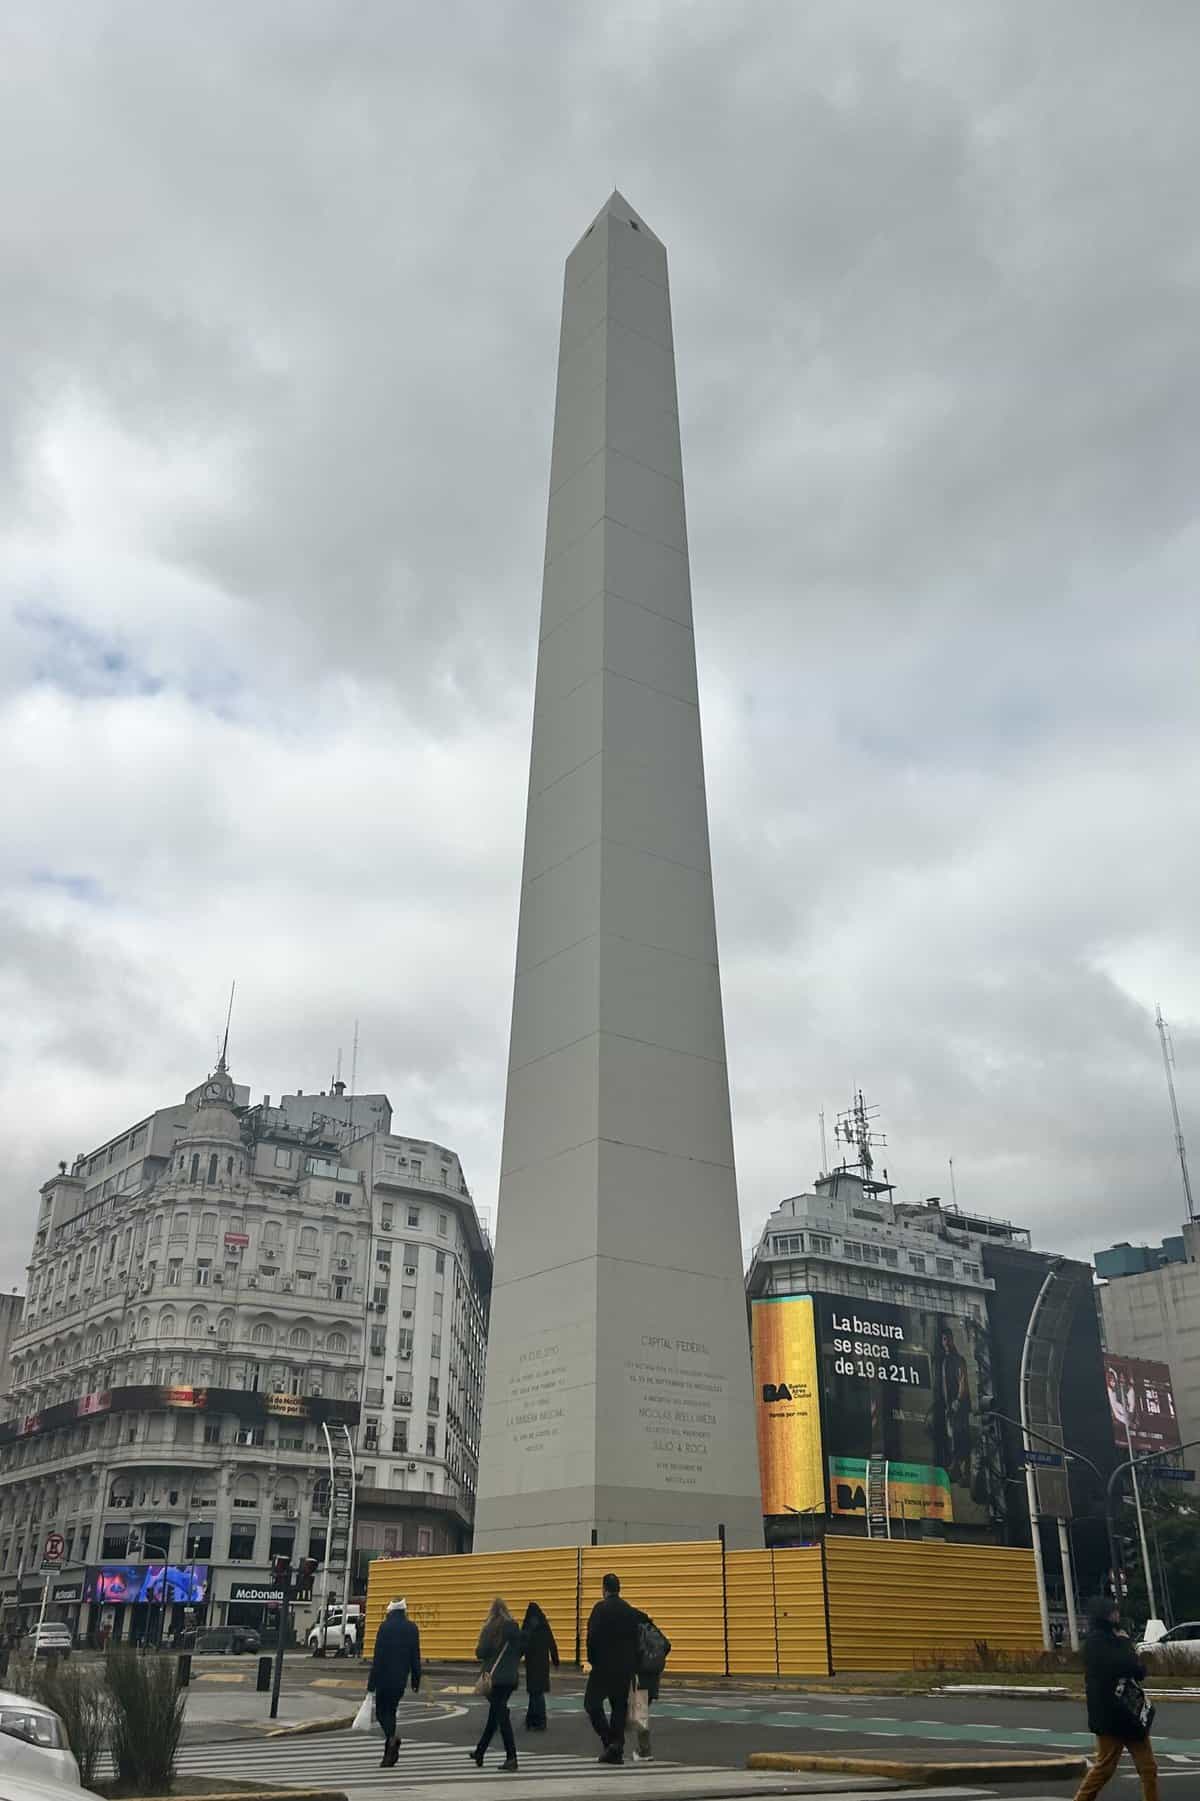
(407, 1312)
(343, 1263)
(253, 1282)
(268, 1252)
(404, 1400)
(412, 1468)
(212, 1331)
(410, 1269)
(288, 1285)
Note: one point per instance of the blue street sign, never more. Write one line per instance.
(1044, 1460)
(1166, 1472)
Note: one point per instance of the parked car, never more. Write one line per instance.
(335, 1635)
(232, 1640)
(33, 1743)
(1182, 1641)
(20, 1784)
(51, 1635)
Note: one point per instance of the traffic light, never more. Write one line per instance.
(305, 1577)
(281, 1569)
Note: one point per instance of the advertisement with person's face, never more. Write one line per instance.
(1142, 1404)
(901, 1387)
(117, 1583)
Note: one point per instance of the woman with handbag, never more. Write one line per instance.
(1118, 1712)
(499, 1656)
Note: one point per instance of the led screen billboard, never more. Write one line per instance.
(788, 1412)
(901, 1387)
(1142, 1405)
(157, 1582)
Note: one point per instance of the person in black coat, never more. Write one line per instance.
(396, 1663)
(612, 1648)
(499, 1656)
(1108, 1657)
(541, 1651)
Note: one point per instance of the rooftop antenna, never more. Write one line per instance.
(221, 1063)
(1168, 1051)
(354, 1064)
(824, 1152)
(337, 1076)
(953, 1186)
(855, 1128)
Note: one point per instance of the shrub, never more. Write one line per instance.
(147, 1719)
(79, 1698)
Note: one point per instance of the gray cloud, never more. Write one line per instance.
(278, 323)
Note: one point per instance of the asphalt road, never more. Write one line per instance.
(723, 1727)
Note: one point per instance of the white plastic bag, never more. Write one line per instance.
(364, 1719)
(639, 1708)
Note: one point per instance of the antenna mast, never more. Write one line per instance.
(824, 1152)
(354, 1063)
(221, 1060)
(855, 1128)
(1168, 1051)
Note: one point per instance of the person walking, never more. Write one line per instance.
(612, 1638)
(1109, 1663)
(396, 1663)
(499, 1655)
(540, 1649)
(653, 1649)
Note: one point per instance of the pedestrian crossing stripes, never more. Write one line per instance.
(345, 1760)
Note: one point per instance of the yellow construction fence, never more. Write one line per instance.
(847, 1604)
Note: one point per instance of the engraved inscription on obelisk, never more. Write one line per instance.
(618, 1396)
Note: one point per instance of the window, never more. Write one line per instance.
(212, 1432)
(208, 1225)
(385, 1222)
(440, 1265)
(174, 1272)
(300, 1338)
(442, 1220)
(416, 1166)
(434, 1398)
(339, 1289)
(212, 1167)
(342, 1197)
(262, 1334)
(166, 1325)
(820, 1244)
(272, 1233)
(308, 1239)
(945, 1266)
(790, 1245)
(378, 1340)
(414, 1213)
(371, 1436)
(283, 1159)
(379, 1295)
(194, 1172)
(305, 1276)
(917, 1262)
(404, 1345)
(342, 1244)
(431, 1441)
(198, 1543)
(368, 1475)
(400, 1436)
(203, 1272)
(971, 1271)
(435, 1347)
(336, 1343)
(424, 1541)
(890, 1257)
(429, 1480)
(241, 1541)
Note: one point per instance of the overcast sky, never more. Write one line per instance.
(279, 297)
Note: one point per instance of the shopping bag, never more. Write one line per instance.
(639, 1708)
(364, 1719)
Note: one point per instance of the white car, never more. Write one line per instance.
(51, 1635)
(33, 1743)
(18, 1784)
(1183, 1640)
(334, 1635)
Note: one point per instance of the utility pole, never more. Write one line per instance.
(1151, 1601)
(1180, 1148)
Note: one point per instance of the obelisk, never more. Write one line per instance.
(618, 1402)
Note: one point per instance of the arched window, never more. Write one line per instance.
(229, 1168)
(336, 1342)
(212, 1166)
(271, 1232)
(299, 1338)
(194, 1174)
(262, 1334)
(308, 1238)
(343, 1244)
(197, 1322)
(166, 1325)
(156, 1225)
(225, 1325)
(144, 1326)
(208, 1225)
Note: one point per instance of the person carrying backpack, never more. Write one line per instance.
(1116, 1707)
(653, 1649)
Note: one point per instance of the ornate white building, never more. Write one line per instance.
(205, 1291)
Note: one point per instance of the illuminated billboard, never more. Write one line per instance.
(788, 1405)
(900, 1392)
(157, 1582)
(1142, 1405)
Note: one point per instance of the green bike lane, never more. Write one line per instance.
(989, 1728)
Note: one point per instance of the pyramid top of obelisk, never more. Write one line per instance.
(617, 207)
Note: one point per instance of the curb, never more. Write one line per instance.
(270, 1794)
(302, 1729)
(1040, 1769)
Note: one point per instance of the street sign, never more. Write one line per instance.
(1167, 1472)
(53, 1551)
(1044, 1460)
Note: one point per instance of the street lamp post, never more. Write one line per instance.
(1031, 1488)
(1064, 1542)
(1133, 1464)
